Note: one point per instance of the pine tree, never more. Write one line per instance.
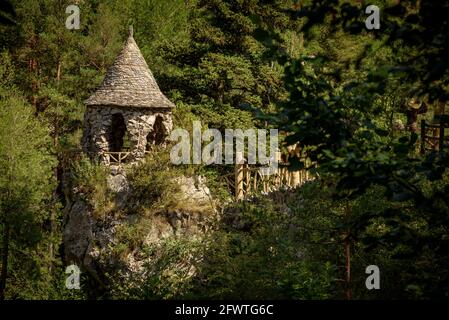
(25, 184)
(224, 70)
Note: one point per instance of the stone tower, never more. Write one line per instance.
(128, 113)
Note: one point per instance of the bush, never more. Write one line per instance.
(167, 273)
(152, 184)
(255, 255)
(90, 181)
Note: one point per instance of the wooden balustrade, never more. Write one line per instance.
(247, 181)
(117, 157)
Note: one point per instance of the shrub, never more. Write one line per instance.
(90, 181)
(152, 184)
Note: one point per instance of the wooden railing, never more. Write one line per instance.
(433, 136)
(247, 181)
(117, 157)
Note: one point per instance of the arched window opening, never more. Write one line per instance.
(118, 136)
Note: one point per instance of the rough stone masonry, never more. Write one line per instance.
(129, 104)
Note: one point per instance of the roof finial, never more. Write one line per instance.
(131, 31)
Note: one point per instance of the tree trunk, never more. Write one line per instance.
(347, 245)
(5, 250)
(348, 268)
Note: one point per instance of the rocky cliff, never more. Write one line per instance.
(97, 244)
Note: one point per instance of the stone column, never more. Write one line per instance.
(100, 129)
(138, 124)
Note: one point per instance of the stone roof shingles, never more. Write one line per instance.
(129, 82)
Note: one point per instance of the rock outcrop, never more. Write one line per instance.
(89, 241)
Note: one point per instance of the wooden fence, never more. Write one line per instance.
(250, 180)
(246, 180)
(433, 136)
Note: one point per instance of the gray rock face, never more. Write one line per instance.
(194, 190)
(78, 234)
(119, 185)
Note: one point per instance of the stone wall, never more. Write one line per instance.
(139, 123)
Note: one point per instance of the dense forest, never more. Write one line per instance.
(355, 100)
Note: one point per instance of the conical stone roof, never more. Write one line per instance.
(129, 82)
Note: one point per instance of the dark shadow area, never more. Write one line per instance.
(117, 133)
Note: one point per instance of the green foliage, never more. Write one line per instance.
(255, 255)
(131, 235)
(222, 71)
(168, 271)
(90, 181)
(25, 190)
(153, 184)
(311, 68)
(339, 118)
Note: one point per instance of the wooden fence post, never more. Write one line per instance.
(295, 179)
(256, 174)
(239, 176)
(423, 136)
(248, 179)
(278, 180)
